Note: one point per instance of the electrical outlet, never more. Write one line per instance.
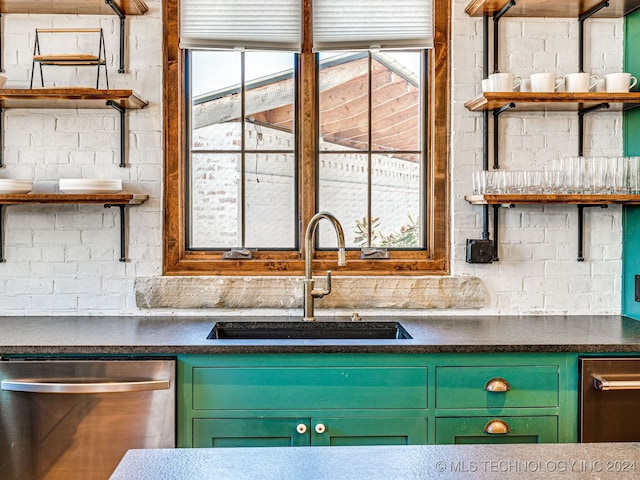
(479, 251)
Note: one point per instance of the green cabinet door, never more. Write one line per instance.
(250, 432)
(477, 430)
(295, 432)
(336, 432)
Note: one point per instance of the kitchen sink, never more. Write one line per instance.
(308, 330)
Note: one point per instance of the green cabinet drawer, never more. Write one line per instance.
(304, 388)
(528, 386)
(292, 432)
(475, 430)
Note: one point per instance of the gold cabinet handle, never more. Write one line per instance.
(301, 428)
(497, 427)
(320, 428)
(497, 384)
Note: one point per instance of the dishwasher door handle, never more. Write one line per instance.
(602, 384)
(33, 385)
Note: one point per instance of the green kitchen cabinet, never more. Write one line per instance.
(295, 431)
(375, 399)
(260, 400)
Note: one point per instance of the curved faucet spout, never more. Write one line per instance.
(310, 293)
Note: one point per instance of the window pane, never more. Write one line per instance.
(214, 218)
(344, 101)
(343, 190)
(270, 201)
(395, 201)
(396, 101)
(270, 100)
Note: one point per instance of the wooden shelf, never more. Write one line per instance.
(567, 199)
(552, 8)
(78, 7)
(75, 97)
(541, 101)
(73, 198)
(69, 59)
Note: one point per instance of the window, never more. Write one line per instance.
(257, 140)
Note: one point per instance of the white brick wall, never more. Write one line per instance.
(63, 259)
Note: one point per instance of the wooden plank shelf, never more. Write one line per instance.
(552, 101)
(552, 8)
(77, 7)
(73, 198)
(74, 97)
(567, 199)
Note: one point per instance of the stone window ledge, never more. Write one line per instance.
(389, 292)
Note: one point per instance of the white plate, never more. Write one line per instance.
(78, 185)
(10, 185)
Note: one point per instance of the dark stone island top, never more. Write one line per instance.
(139, 335)
(523, 461)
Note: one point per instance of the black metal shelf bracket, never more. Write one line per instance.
(581, 228)
(1, 137)
(121, 110)
(582, 18)
(1, 49)
(122, 17)
(123, 225)
(581, 114)
(1, 234)
(496, 32)
(496, 132)
(496, 209)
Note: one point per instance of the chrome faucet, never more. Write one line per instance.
(311, 293)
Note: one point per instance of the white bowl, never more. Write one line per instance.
(11, 185)
(85, 185)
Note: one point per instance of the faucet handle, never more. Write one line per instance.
(319, 292)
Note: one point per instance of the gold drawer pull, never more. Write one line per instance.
(497, 384)
(497, 427)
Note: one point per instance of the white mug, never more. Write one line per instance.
(580, 82)
(504, 82)
(486, 85)
(619, 82)
(546, 82)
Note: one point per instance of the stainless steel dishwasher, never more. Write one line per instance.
(76, 418)
(609, 399)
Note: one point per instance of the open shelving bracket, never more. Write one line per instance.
(1, 137)
(1, 234)
(581, 228)
(123, 224)
(582, 18)
(122, 17)
(121, 110)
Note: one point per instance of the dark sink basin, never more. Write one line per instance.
(308, 330)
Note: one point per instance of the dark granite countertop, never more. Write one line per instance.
(431, 334)
(523, 461)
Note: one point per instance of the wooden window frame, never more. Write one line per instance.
(178, 260)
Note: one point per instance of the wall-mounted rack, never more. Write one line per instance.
(497, 103)
(83, 98)
(121, 200)
(121, 8)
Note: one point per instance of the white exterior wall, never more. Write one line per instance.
(63, 259)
